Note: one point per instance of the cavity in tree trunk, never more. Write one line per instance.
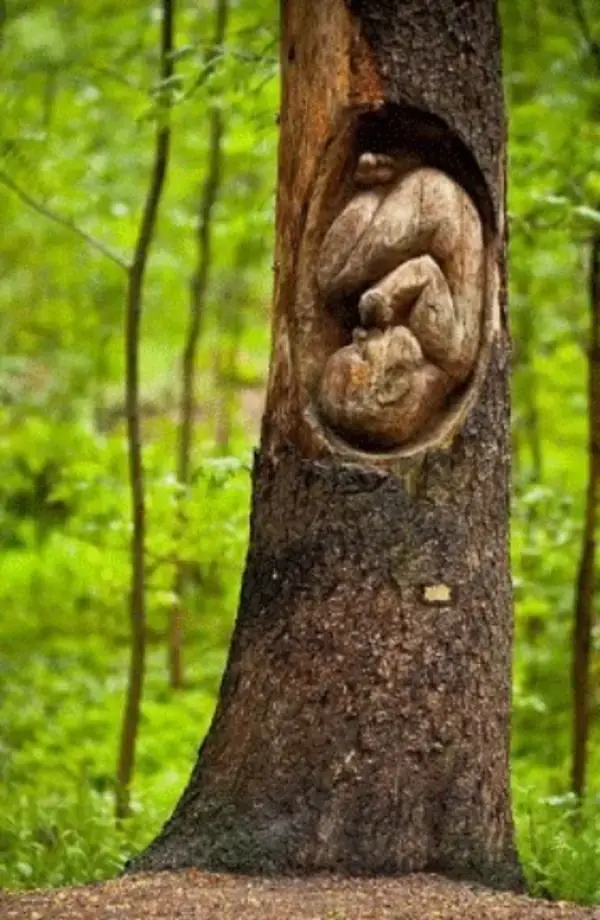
(363, 720)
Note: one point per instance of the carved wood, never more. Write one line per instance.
(366, 145)
(414, 240)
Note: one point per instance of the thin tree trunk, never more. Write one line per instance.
(363, 720)
(225, 377)
(227, 382)
(529, 428)
(137, 611)
(586, 575)
(198, 290)
(586, 578)
(532, 415)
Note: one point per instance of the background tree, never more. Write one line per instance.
(586, 576)
(198, 289)
(131, 716)
(587, 570)
(135, 276)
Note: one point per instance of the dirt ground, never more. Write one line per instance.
(194, 895)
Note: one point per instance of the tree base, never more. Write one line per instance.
(363, 720)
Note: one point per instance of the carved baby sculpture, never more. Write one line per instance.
(410, 246)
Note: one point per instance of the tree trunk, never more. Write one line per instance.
(198, 290)
(135, 284)
(583, 626)
(363, 720)
(586, 575)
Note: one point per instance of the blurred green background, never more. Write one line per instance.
(78, 88)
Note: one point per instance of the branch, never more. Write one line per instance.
(586, 31)
(215, 48)
(581, 17)
(62, 221)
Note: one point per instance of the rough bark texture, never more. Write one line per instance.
(363, 721)
(444, 57)
(362, 727)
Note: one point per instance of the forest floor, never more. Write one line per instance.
(194, 895)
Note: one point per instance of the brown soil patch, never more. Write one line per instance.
(194, 895)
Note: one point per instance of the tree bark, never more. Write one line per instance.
(198, 289)
(586, 575)
(135, 284)
(583, 625)
(363, 720)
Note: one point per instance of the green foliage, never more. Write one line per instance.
(560, 848)
(63, 671)
(60, 746)
(79, 97)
